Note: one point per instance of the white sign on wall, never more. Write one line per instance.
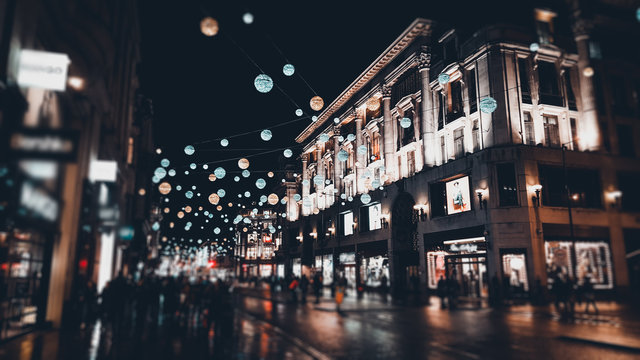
(41, 69)
(103, 170)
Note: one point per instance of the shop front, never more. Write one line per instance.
(374, 265)
(463, 260)
(324, 264)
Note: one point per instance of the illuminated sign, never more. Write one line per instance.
(41, 69)
(463, 247)
(348, 258)
(38, 202)
(103, 171)
(458, 198)
(375, 222)
(126, 232)
(44, 144)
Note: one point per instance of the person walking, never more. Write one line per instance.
(317, 286)
(341, 286)
(442, 292)
(304, 287)
(589, 295)
(293, 286)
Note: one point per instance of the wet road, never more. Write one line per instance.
(267, 330)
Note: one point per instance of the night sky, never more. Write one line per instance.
(202, 87)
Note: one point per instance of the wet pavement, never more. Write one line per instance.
(366, 329)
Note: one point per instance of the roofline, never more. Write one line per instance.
(419, 26)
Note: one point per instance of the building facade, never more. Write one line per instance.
(496, 158)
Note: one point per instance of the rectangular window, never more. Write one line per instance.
(529, 129)
(454, 101)
(574, 134)
(458, 142)
(548, 84)
(347, 222)
(471, 85)
(571, 97)
(525, 89)
(628, 185)
(443, 150)
(551, 133)
(364, 219)
(625, 140)
(507, 184)
(411, 162)
(406, 135)
(620, 97)
(438, 198)
(584, 187)
(374, 147)
(370, 218)
(476, 136)
(441, 105)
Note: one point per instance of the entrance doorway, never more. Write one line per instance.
(470, 273)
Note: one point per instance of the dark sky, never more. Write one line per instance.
(202, 87)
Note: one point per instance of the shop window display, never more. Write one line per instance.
(514, 268)
(435, 267)
(297, 267)
(580, 260)
(374, 271)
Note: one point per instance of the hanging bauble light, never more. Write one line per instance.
(164, 188)
(212, 177)
(405, 123)
(261, 183)
(246, 173)
(263, 83)
(443, 78)
(164, 162)
(296, 197)
(316, 103)
(588, 71)
(172, 172)
(336, 120)
(299, 112)
(160, 173)
(351, 137)
(314, 118)
(219, 173)
(216, 230)
(323, 138)
(373, 104)
(270, 174)
(180, 214)
(534, 47)
(288, 69)
(188, 194)
(273, 199)
(187, 209)
(488, 105)
(287, 153)
(214, 199)
(243, 163)
(343, 155)
(362, 150)
(221, 193)
(266, 135)
(224, 142)
(209, 26)
(247, 18)
(247, 194)
(189, 150)
(236, 178)
(193, 166)
(365, 198)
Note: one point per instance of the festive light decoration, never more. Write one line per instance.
(212, 177)
(443, 78)
(246, 173)
(261, 183)
(224, 142)
(193, 166)
(243, 163)
(266, 135)
(343, 155)
(296, 197)
(189, 150)
(534, 47)
(488, 105)
(588, 71)
(172, 172)
(187, 209)
(351, 137)
(362, 150)
(273, 199)
(373, 104)
(299, 112)
(164, 188)
(263, 83)
(318, 180)
(287, 153)
(314, 118)
(405, 123)
(205, 166)
(288, 69)
(220, 172)
(247, 18)
(160, 173)
(323, 138)
(221, 193)
(336, 120)
(247, 194)
(178, 187)
(216, 230)
(180, 214)
(365, 198)
(188, 194)
(165, 162)
(214, 199)
(270, 174)
(236, 178)
(209, 26)
(316, 103)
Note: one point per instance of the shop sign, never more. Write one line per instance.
(44, 144)
(463, 247)
(39, 202)
(348, 258)
(41, 69)
(126, 233)
(103, 170)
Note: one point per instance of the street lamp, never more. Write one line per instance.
(480, 193)
(536, 198)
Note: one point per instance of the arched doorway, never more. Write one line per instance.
(403, 256)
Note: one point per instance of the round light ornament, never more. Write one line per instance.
(221, 193)
(246, 173)
(323, 138)
(287, 153)
(220, 172)
(224, 142)
(343, 155)
(247, 18)
(336, 120)
(351, 137)
(160, 173)
(188, 194)
(318, 180)
(189, 150)
(316, 103)
(443, 78)
(405, 123)
(266, 135)
(488, 105)
(247, 194)
(261, 183)
(273, 199)
(209, 26)
(588, 71)
(288, 69)
(187, 209)
(193, 166)
(263, 83)
(296, 197)
(534, 47)
(216, 231)
(243, 163)
(180, 214)
(362, 150)
(214, 199)
(365, 198)
(165, 162)
(164, 188)
(212, 177)
(236, 178)
(270, 174)
(172, 172)
(314, 118)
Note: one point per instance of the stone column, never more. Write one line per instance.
(588, 127)
(319, 171)
(337, 164)
(388, 135)
(361, 161)
(305, 188)
(428, 119)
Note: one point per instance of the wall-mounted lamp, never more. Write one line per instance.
(384, 218)
(300, 238)
(615, 198)
(313, 235)
(536, 198)
(421, 210)
(480, 193)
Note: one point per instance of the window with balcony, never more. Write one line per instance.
(544, 25)
(584, 186)
(374, 147)
(571, 97)
(471, 86)
(551, 133)
(406, 135)
(549, 89)
(455, 109)
(507, 185)
(458, 142)
(525, 88)
(529, 129)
